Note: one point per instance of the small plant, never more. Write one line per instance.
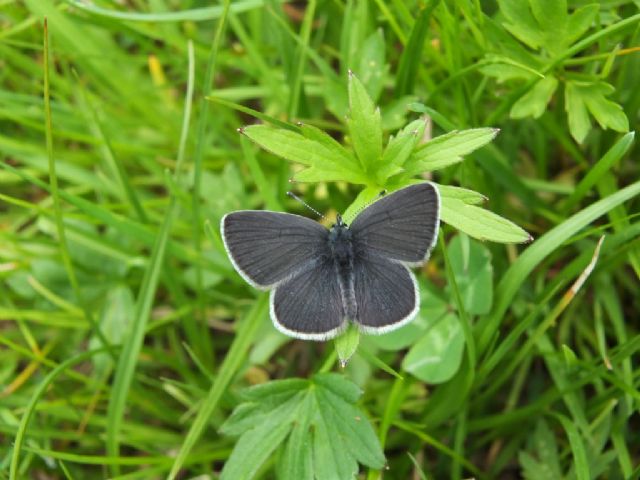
(377, 167)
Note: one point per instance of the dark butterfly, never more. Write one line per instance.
(320, 279)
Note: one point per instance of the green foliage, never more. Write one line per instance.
(324, 435)
(129, 348)
(403, 157)
(548, 31)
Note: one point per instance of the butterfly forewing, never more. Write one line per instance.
(386, 294)
(402, 226)
(268, 247)
(309, 305)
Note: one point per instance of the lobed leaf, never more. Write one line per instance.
(350, 425)
(520, 23)
(323, 431)
(297, 460)
(259, 443)
(551, 16)
(580, 21)
(534, 102)
(577, 115)
(583, 96)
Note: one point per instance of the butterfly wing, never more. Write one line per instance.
(386, 293)
(269, 247)
(402, 226)
(309, 305)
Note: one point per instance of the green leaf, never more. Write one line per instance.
(534, 102)
(505, 68)
(297, 460)
(592, 95)
(436, 357)
(329, 143)
(480, 223)
(551, 15)
(260, 442)
(520, 23)
(275, 390)
(314, 175)
(471, 264)
(448, 149)
(580, 21)
(579, 123)
(607, 113)
(331, 458)
(364, 125)
(504, 72)
(295, 147)
(339, 385)
(322, 430)
(400, 148)
(467, 196)
(350, 425)
(327, 159)
(347, 344)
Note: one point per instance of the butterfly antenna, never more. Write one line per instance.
(294, 196)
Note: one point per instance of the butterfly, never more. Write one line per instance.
(321, 279)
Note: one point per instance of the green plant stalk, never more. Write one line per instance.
(131, 349)
(465, 321)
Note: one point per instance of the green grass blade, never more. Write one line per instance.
(537, 252)
(193, 15)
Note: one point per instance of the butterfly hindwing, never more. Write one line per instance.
(386, 293)
(309, 305)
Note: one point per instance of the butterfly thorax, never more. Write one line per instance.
(340, 244)
(342, 252)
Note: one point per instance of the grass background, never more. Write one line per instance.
(126, 337)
